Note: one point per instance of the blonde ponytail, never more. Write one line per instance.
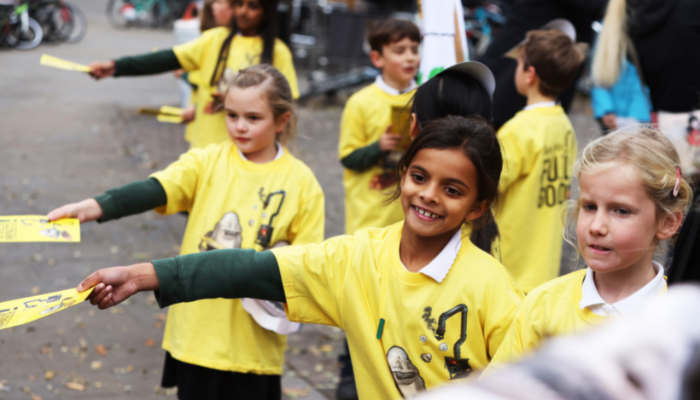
(611, 49)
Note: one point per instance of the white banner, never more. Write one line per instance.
(444, 36)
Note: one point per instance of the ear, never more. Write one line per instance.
(403, 177)
(669, 225)
(377, 59)
(477, 210)
(531, 75)
(415, 130)
(282, 121)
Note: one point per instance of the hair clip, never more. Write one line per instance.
(678, 182)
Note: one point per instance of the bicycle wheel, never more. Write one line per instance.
(25, 40)
(120, 13)
(79, 22)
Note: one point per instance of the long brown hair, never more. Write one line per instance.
(268, 31)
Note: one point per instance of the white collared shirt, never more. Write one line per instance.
(541, 104)
(390, 90)
(591, 298)
(441, 265)
(280, 151)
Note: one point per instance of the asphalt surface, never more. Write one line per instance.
(64, 138)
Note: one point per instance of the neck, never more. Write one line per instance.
(249, 32)
(264, 155)
(534, 96)
(395, 83)
(418, 251)
(619, 285)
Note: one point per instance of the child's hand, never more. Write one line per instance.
(188, 115)
(609, 120)
(102, 69)
(114, 285)
(389, 141)
(86, 210)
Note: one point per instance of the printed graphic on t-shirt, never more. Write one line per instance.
(555, 180)
(407, 375)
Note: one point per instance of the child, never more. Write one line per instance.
(415, 295)
(539, 147)
(365, 131)
(250, 39)
(632, 197)
(623, 104)
(251, 195)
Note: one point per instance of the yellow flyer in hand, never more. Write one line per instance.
(56, 62)
(167, 114)
(23, 311)
(37, 228)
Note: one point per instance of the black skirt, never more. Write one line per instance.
(200, 383)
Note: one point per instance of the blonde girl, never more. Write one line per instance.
(633, 196)
(249, 39)
(420, 304)
(249, 193)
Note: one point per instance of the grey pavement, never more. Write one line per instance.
(65, 137)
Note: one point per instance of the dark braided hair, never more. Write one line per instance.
(268, 31)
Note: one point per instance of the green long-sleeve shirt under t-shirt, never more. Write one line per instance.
(196, 276)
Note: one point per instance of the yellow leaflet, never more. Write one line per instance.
(172, 119)
(22, 311)
(54, 62)
(37, 228)
(171, 110)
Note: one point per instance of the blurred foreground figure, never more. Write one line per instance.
(651, 355)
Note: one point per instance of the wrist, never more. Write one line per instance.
(144, 277)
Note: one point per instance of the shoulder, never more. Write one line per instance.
(281, 49)
(218, 33)
(481, 263)
(559, 288)
(366, 93)
(303, 174)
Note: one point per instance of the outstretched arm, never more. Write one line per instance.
(144, 64)
(231, 274)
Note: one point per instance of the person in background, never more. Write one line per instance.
(250, 38)
(539, 148)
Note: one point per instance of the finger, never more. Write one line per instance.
(60, 212)
(106, 302)
(101, 296)
(91, 281)
(96, 290)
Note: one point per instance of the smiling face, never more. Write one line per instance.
(222, 12)
(439, 192)
(617, 225)
(249, 16)
(251, 123)
(398, 61)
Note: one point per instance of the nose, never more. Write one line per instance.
(599, 224)
(241, 126)
(429, 193)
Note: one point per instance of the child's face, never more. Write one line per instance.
(617, 225)
(249, 16)
(523, 77)
(222, 11)
(250, 121)
(398, 61)
(439, 192)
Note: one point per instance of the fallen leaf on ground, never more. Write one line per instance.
(98, 385)
(296, 392)
(327, 348)
(35, 397)
(318, 367)
(101, 350)
(151, 343)
(75, 386)
(48, 375)
(95, 365)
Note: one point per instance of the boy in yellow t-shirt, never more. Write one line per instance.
(539, 150)
(366, 134)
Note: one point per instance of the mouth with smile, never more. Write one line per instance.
(424, 214)
(596, 249)
(241, 139)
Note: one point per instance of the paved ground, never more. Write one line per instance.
(65, 137)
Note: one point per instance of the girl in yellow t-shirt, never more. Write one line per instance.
(250, 38)
(253, 195)
(419, 303)
(633, 196)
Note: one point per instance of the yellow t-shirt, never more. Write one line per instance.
(539, 150)
(365, 119)
(194, 78)
(354, 281)
(228, 199)
(202, 54)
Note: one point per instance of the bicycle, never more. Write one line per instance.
(123, 14)
(17, 28)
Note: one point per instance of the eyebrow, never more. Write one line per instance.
(453, 180)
